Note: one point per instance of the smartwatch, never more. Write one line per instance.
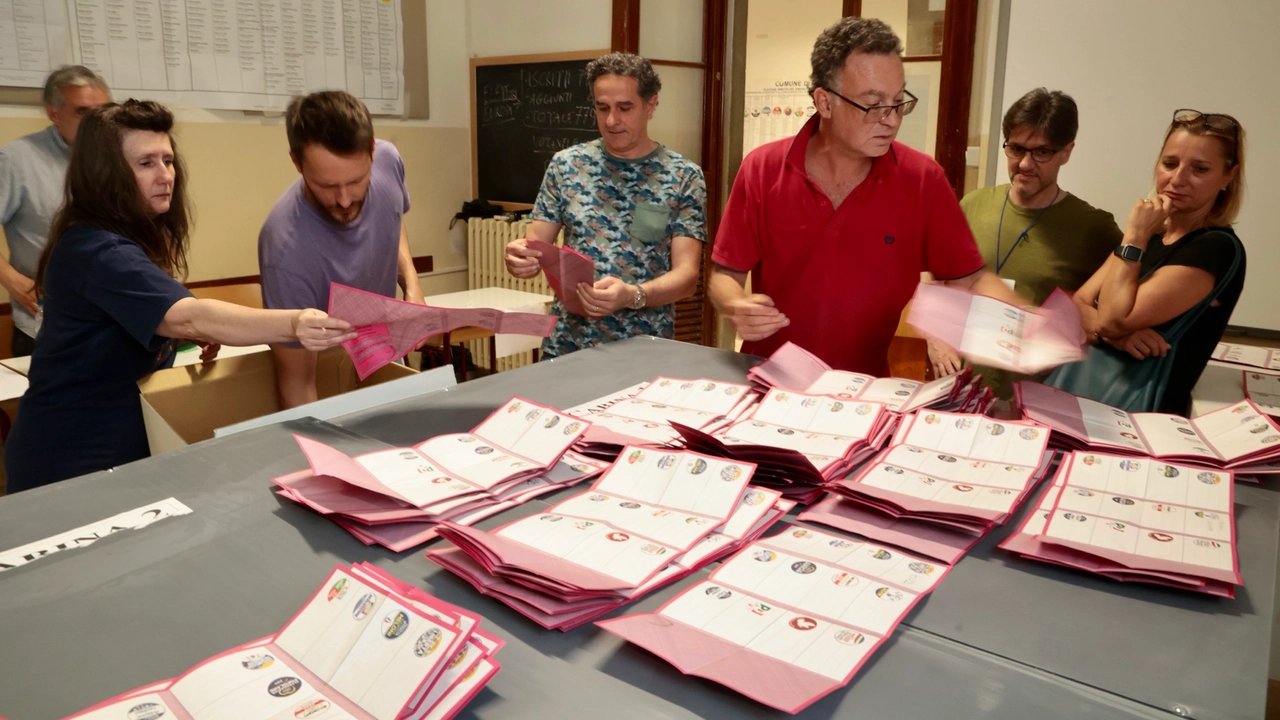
(1132, 253)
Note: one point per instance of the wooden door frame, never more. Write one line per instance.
(626, 38)
(959, 34)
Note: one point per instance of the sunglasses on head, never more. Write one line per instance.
(1214, 121)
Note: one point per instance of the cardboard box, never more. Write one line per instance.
(185, 405)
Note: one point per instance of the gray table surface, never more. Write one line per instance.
(139, 606)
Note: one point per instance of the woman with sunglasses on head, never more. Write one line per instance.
(1170, 288)
(112, 307)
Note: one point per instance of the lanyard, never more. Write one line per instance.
(1000, 227)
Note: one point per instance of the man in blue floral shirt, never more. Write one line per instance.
(635, 207)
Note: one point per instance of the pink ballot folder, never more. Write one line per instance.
(388, 328)
(787, 619)
(1264, 390)
(649, 508)
(365, 647)
(1240, 436)
(519, 440)
(1137, 520)
(644, 414)
(994, 333)
(565, 269)
(757, 511)
(793, 368)
(1265, 358)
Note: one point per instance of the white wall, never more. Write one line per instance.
(1129, 65)
(523, 27)
(780, 35)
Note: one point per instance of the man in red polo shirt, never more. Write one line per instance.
(836, 224)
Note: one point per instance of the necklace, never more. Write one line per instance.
(1000, 227)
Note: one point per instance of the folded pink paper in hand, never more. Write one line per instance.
(565, 268)
(387, 329)
(996, 334)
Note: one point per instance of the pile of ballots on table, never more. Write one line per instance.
(1137, 519)
(1240, 437)
(398, 497)
(947, 480)
(643, 414)
(365, 647)
(654, 516)
(789, 618)
(793, 368)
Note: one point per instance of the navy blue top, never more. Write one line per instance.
(103, 300)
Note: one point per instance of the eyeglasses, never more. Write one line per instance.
(876, 113)
(1214, 121)
(1040, 154)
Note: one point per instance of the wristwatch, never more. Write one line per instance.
(640, 299)
(1132, 253)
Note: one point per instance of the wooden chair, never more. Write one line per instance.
(247, 294)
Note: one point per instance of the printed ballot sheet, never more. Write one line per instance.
(449, 467)
(954, 463)
(1147, 514)
(787, 619)
(1264, 390)
(364, 647)
(1251, 355)
(565, 269)
(793, 368)
(645, 413)
(815, 425)
(648, 508)
(387, 328)
(994, 333)
(1235, 436)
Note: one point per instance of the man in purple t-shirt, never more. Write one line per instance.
(342, 221)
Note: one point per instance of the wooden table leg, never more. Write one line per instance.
(448, 350)
(493, 353)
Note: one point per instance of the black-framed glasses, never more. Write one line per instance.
(1214, 121)
(876, 113)
(1041, 154)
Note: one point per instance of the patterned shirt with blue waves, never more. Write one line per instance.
(622, 214)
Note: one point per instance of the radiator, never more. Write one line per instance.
(486, 243)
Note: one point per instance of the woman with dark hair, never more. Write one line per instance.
(1162, 301)
(112, 307)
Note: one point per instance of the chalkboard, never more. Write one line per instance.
(524, 110)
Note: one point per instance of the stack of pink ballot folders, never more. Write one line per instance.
(1137, 520)
(653, 517)
(1240, 437)
(366, 647)
(946, 481)
(1264, 390)
(399, 496)
(787, 619)
(800, 442)
(793, 368)
(643, 414)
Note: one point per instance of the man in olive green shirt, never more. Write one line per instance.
(1032, 233)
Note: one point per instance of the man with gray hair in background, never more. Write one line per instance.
(32, 171)
(632, 205)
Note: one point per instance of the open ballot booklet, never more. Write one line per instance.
(1265, 358)
(798, 441)
(565, 269)
(787, 619)
(1240, 436)
(387, 328)
(1137, 520)
(946, 481)
(517, 453)
(366, 647)
(793, 368)
(1264, 391)
(644, 522)
(996, 334)
(642, 414)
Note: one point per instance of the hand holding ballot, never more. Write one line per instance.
(566, 269)
(994, 333)
(387, 329)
